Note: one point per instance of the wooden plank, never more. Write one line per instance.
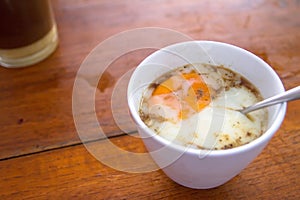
(72, 172)
(35, 102)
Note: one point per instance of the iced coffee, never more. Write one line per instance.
(28, 32)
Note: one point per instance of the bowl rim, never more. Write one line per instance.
(264, 138)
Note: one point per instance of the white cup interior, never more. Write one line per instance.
(239, 60)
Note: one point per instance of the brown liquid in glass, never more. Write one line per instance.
(23, 22)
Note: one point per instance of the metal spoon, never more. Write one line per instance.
(292, 94)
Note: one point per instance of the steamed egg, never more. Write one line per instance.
(196, 105)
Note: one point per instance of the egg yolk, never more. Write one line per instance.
(186, 93)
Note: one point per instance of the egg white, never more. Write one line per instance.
(219, 125)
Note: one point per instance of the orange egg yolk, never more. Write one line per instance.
(186, 93)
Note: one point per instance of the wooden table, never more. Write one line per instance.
(41, 154)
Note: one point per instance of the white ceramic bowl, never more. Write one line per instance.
(195, 168)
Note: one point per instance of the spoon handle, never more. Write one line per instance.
(292, 94)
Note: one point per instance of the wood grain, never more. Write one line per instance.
(72, 172)
(41, 155)
(37, 101)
